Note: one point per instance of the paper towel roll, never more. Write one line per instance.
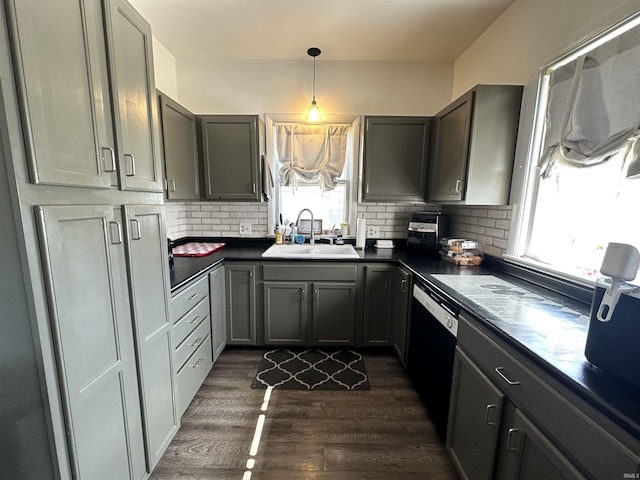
(361, 233)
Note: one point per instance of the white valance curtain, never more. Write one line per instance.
(313, 153)
(593, 110)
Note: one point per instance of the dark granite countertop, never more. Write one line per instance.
(551, 334)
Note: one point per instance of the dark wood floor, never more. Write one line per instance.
(381, 434)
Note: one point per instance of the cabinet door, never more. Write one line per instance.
(285, 313)
(63, 83)
(401, 300)
(447, 179)
(395, 159)
(531, 456)
(334, 313)
(149, 283)
(241, 304)
(180, 149)
(230, 153)
(474, 420)
(85, 272)
(133, 90)
(218, 310)
(378, 306)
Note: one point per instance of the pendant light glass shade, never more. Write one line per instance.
(313, 112)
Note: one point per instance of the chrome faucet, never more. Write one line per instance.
(313, 238)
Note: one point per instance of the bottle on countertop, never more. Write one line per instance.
(278, 232)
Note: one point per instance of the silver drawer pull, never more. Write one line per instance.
(486, 415)
(197, 364)
(132, 171)
(498, 370)
(197, 342)
(112, 160)
(195, 319)
(195, 295)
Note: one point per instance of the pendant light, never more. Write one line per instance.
(313, 112)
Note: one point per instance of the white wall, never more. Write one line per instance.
(164, 69)
(530, 34)
(244, 87)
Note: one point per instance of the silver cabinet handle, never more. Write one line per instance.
(132, 163)
(366, 188)
(195, 319)
(458, 186)
(510, 435)
(112, 158)
(172, 185)
(137, 235)
(403, 286)
(499, 370)
(194, 296)
(486, 415)
(196, 343)
(115, 226)
(253, 188)
(302, 294)
(315, 294)
(197, 364)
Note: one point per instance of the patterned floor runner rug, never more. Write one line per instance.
(312, 369)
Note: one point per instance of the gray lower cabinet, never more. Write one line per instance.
(218, 311)
(474, 147)
(180, 149)
(510, 420)
(240, 287)
(474, 421)
(191, 336)
(309, 313)
(401, 300)
(86, 280)
(394, 162)
(309, 304)
(230, 147)
(149, 284)
(378, 304)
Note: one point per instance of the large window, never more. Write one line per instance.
(314, 169)
(582, 185)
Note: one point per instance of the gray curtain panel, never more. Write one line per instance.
(594, 106)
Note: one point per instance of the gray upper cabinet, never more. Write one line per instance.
(395, 159)
(474, 147)
(135, 105)
(231, 148)
(61, 63)
(180, 149)
(86, 280)
(149, 281)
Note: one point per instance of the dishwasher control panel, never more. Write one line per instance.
(446, 318)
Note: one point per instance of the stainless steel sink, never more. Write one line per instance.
(311, 251)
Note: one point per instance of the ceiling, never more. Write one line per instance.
(350, 30)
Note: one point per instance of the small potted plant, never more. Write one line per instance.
(344, 228)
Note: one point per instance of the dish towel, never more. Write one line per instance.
(267, 179)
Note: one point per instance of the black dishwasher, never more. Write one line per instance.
(432, 342)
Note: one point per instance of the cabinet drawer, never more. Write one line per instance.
(192, 374)
(307, 273)
(191, 343)
(188, 297)
(189, 322)
(564, 417)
